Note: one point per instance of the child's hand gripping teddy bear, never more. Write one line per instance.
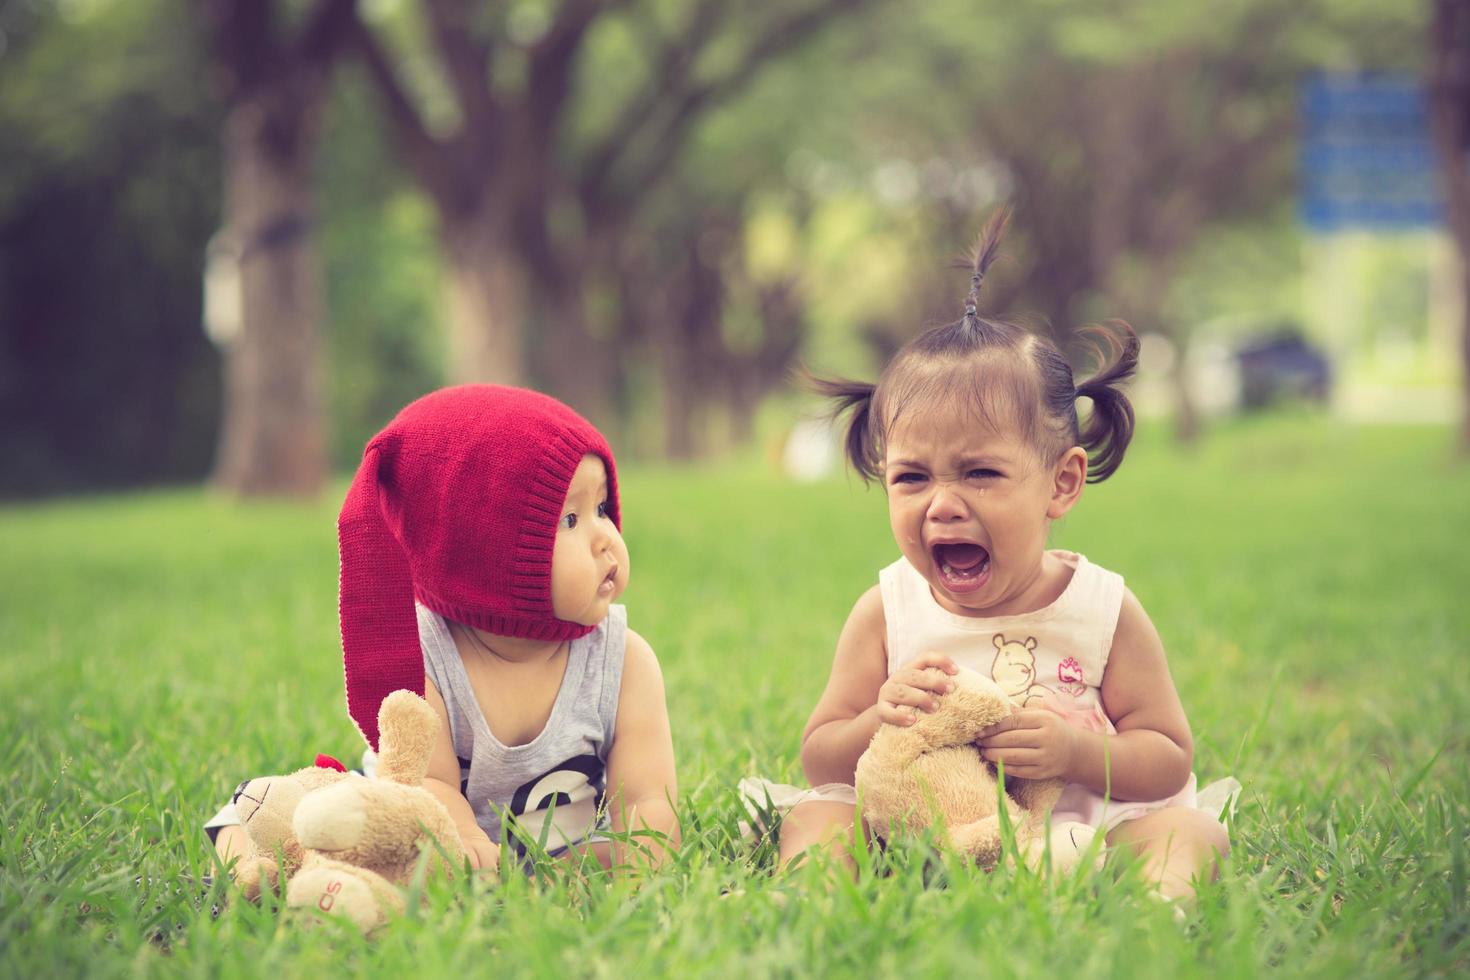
(910, 778)
(362, 838)
(266, 806)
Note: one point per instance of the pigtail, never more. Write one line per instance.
(860, 442)
(982, 254)
(1109, 427)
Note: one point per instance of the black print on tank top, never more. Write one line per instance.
(464, 776)
(551, 788)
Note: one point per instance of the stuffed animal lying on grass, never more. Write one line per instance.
(350, 841)
(931, 772)
(363, 838)
(266, 806)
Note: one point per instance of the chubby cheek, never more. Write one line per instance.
(571, 582)
(625, 567)
(906, 523)
(561, 593)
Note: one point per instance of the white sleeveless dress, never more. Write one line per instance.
(1051, 658)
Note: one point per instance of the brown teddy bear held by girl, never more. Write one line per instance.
(931, 773)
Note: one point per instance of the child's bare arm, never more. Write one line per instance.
(1153, 753)
(443, 782)
(860, 695)
(641, 782)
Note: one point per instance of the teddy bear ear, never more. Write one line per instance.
(999, 640)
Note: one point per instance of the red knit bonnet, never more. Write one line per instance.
(456, 504)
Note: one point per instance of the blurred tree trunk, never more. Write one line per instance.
(577, 358)
(675, 299)
(486, 301)
(756, 371)
(682, 327)
(1051, 190)
(1449, 109)
(273, 438)
(1117, 168)
(1151, 208)
(567, 205)
(1141, 225)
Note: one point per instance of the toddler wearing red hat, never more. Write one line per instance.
(482, 555)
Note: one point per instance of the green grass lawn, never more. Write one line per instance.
(1310, 582)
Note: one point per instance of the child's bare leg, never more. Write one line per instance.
(818, 823)
(601, 850)
(1177, 845)
(231, 843)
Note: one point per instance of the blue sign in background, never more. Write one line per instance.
(1366, 156)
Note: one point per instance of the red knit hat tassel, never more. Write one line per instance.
(380, 635)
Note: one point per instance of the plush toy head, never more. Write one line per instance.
(266, 806)
(363, 837)
(931, 773)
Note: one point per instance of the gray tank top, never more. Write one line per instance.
(552, 786)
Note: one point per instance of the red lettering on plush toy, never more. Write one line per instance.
(326, 902)
(1069, 672)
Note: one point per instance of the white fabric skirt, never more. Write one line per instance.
(764, 799)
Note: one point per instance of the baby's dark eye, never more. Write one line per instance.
(909, 478)
(602, 509)
(982, 474)
(568, 521)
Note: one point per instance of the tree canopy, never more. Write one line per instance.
(652, 209)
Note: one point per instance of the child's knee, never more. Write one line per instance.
(1214, 838)
(1176, 830)
(231, 842)
(819, 814)
(1201, 833)
(819, 825)
(814, 821)
(1200, 842)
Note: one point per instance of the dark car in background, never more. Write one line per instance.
(1281, 366)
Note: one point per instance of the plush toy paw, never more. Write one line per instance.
(254, 876)
(1069, 842)
(361, 897)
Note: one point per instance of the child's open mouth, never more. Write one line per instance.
(962, 567)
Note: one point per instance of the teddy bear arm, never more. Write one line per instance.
(963, 715)
(292, 854)
(1035, 796)
(440, 836)
(253, 874)
(980, 840)
(893, 750)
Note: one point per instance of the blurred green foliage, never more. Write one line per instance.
(857, 166)
(109, 188)
(385, 343)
